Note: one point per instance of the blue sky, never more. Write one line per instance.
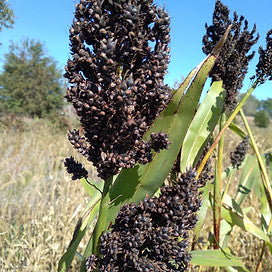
(49, 22)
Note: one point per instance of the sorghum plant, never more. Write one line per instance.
(153, 235)
(232, 63)
(135, 129)
(120, 55)
(237, 157)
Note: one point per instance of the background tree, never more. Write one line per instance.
(6, 15)
(251, 106)
(266, 105)
(30, 82)
(262, 119)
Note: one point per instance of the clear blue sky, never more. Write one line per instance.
(49, 22)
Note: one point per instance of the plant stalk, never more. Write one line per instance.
(265, 180)
(218, 185)
(100, 226)
(264, 174)
(216, 209)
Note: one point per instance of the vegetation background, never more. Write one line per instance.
(39, 202)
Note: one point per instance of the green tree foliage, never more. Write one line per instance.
(262, 119)
(6, 15)
(251, 106)
(30, 82)
(266, 105)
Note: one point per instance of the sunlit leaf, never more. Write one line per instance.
(215, 258)
(244, 223)
(261, 194)
(249, 177)
(236, 129)
(161, 123)
(134, 184)
(82, 226)
(202, 213)
(92, 187)
(202, 125)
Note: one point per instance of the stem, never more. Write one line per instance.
(221, 150)
(265, 180)
(216, 209)
(222, 131)
(226, 189)
(261, 257)
(218, 186)
(100, 226)
(264, 174)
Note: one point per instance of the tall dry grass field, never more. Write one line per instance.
(40, 204)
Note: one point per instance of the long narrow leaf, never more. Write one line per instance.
(215, 258)
(236, 129)
(82, 226)
(245, 224)
(248, 178)
(202, 213)
(260, 192)
(161, 123)
(202, 126)
(92, 187)
(134, 184)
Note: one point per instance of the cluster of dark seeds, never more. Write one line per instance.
(119, 59)
(75, 168)
(232, 63)
(238, 156)
(264, 67)
(153, 235)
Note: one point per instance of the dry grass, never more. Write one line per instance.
(40, 204)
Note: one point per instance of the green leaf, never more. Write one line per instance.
(244, 223)
(202, 125)
(248, 178)
(225, 229)
(133, 185)
(202, 213)
(236, 269)
(215, 258)
(236, 129)
(161, 123)
(92, 187)
(261, 194)
(82, 226)
(239, 131)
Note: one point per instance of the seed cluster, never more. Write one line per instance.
(75, 168)
(120, 55)
(153, 235)
(238, 156)
(232, 64)
(264, 66)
